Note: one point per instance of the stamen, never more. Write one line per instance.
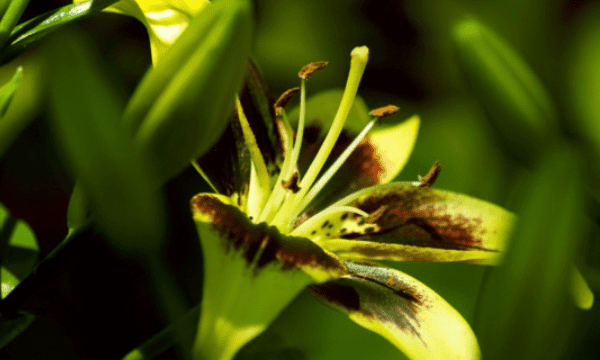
(278, 193)
(286, 97)
(431, 176)
(359, 58)
(320, 184)
(259, 176)
(314, 221)
(309, 69)
(385, 111)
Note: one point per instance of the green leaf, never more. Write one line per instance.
(10, 328)
(411, 223)
(10, 18)
(517, 105)
(581, 294)
(86, 119)
(18, 251)
(401, 309)
(28, 34)
(183, 105)
(7, 91)
(78, 210)
(522, 312)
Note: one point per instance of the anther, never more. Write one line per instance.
(309, 69)
(286, 97)
(431, 176)
(292, 183)
(384, 111)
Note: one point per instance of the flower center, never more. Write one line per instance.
(293, 192)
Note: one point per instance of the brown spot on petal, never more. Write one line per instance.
(240, 234)
(419, 217)
(309, 69)
(338, 294)
(390, 282)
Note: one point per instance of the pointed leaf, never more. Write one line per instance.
(86, 120)
(19, 251)
(28, 34)
(10, 328)
(580, 291)
(401, 309)
(522, 311)
(411, 223)
(515, 100)
(182, 106)
(7, 91)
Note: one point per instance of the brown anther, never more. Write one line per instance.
(285, 97)
(431, 176)
(309, 69)
(376, 215)
(292, 183)
(384, 111)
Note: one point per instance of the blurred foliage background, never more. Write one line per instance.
(414, 64)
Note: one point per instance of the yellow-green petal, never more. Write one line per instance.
(411, 223)
(403, 310)
(251, 272)
(164, 20)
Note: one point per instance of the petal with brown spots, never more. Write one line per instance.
(261, 245)
(404, 311)
(410, 223)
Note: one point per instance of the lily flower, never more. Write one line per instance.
(314, 209)
(164, 20)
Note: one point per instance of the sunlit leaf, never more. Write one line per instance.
(7, 91)
(87, 120)
(18, 252)
(523, 306)
(515, 100)
(182, 106)
(28, 34)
